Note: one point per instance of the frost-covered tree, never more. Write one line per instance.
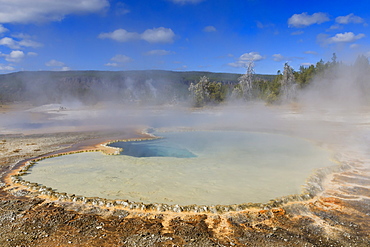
(288, 88)
(246, 88)
(199, 91)
(205, 92)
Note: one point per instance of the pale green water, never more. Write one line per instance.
(224, 168)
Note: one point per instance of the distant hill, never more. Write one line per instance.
(41, 87)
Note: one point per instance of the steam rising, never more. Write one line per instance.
(149, 99)
(339, 88)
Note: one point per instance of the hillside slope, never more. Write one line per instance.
(41, 87)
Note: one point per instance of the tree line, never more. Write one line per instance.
(284, 87)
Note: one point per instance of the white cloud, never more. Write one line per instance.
(21, 36)
(57, 65)
(351, 18)
(238, 64)
(25, 11)
(6, 68)
(209, 29)
(14, 44)
(9, 42)
(65, 68)
(32, 54)
(29, 43)
(278, 57)
(346, 37)
(120, 35)
(119, 58)
(3, 29)
(343, 20)
(14, 56)
(251, 56)
(245, 59)
(54, 63)
(335, 27)
(186, 1)
(157, 53)
(158, 35)
(354, 46)
(304, 20)
(112, 64)
(155, 35)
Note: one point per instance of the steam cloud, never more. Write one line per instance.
(114, 101)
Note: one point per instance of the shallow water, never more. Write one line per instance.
(198, 167)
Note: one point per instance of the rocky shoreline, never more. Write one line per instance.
(336, 215)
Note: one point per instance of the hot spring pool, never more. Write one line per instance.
(197, 167)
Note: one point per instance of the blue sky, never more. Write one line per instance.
(179, 35)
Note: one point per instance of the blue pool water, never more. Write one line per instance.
(153, 148)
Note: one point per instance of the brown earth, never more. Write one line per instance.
(339, 216)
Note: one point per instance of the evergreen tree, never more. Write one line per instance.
(334, 59)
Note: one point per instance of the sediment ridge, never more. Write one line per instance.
(312, 187)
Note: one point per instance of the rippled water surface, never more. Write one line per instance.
(198, 167)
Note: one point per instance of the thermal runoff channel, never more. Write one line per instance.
(190, 167)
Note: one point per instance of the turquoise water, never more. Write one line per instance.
(154, 148)
(198, 167)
